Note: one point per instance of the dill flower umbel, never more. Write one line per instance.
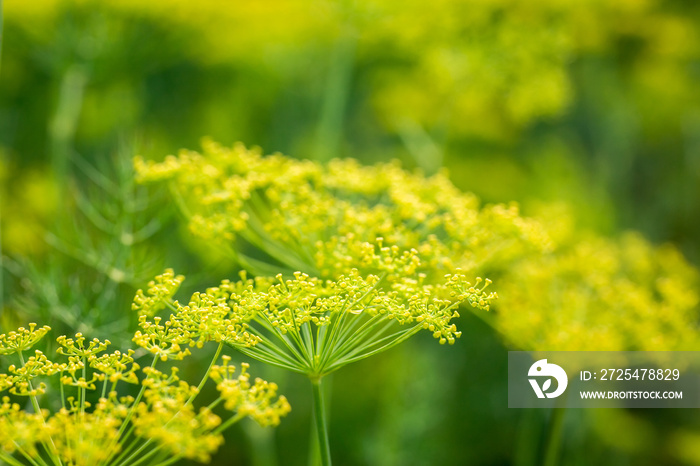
(318, 218)
(22, 339)
(305, 324)
(609, 294)
(160, 425)
(315, 326)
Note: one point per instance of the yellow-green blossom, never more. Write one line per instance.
(87, 438)
(164, 341)
(317, 218)
(486, 68)
(562, 288)
(258, 400)
(601, 294)
(162, 418)
(36, 366)
(22, 339)
(316, 326)
(116, 366)
(76, 347)
(158, 294)
(20, 429)
(166, 416)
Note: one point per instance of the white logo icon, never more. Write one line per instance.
(541, 368)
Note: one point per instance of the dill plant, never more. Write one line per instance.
(615, 293)
(367, 226)
(158, 426)
(353, 274)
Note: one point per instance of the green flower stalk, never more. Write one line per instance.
(157, 427)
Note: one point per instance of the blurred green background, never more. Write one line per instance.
(590, 105)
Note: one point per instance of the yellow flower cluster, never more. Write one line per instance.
(21, 379)
(319, 218)
(116, 366)
(22, 339)
(256, 400)
(561, 288)
(20, 430)
(166, 417)
(86, 438)
(598, 294)
(158, 293)
(205, 318)
(162, 416)
(315, 326)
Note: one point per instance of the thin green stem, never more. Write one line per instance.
(229, 422)
(28, 457)
(321, 331)
(214, 403)
(264, 357)
(337, 335)
(307, 337)
(50, 448)
(556, 428)
(259, 210)
(9, 459)
(129, 461)
(298, 339)
(63, 391)
(163, 456)
(370, 340)
(257, 236)
(405, 335)
(273, 351)
(346, 345)
(330, 336)
(128, 449)
(206, 374)
(321, 423)
(83, 392)
(129, 415)
(277, 353)
(132, 461)
(262, 319)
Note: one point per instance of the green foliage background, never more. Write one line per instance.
(592, 107)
